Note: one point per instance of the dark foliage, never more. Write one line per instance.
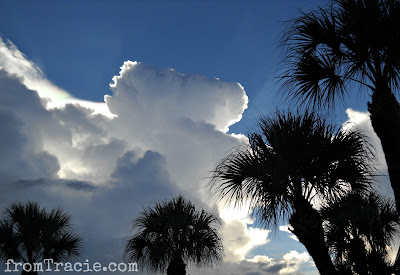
(173, 233)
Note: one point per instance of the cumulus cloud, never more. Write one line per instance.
(289, 264)
(293, 260)
(168, 130)
(240, 237)
(23, 156)
(174, 96)
(183, 117)
(157, 135)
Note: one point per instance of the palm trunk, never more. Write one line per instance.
(384, 112)
(176, 266)
(307, 226)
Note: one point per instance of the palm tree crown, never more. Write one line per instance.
(350, 41)
(30, 234)
(359, 231)
(293, 162)
(173, 233)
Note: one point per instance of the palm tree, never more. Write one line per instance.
(359, 231)
(30, 234)
(172, 234)
(350, 41)
(293, 163)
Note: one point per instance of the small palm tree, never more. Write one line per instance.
(360, 231)
(293, 162)
(30, 234)
(172, 234)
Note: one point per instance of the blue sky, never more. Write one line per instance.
(170, 127)
(80, 45)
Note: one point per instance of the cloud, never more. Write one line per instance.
(168, 132)
(290, 264)
(239, 239)
(16, 63)
(180, 116)
(174, 95)
(362, 122)
(293, 260)
(285, 228)
(22, 155)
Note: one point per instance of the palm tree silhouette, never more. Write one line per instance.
(173, 233)
(350, 41)
(30, 234)
(292, 163)
(359, 231)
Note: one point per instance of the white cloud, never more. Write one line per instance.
(175, 96)
(22, 154)
(362, 122)
(292, 263)
(180, 116)
(261, 259)
(294, 259)
(16, 63)
(239, 239)
(285, 228)
(168, 134)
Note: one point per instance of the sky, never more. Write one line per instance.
(109, 106)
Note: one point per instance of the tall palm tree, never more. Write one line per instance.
(360, 231)
(293, 163)
(173, 233)
(30, 234)
(350, 41)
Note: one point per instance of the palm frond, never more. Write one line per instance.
(31, 234)
(359, 229)
(173, 229)
(293, 158)
(347, 41)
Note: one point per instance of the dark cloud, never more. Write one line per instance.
(46, 182)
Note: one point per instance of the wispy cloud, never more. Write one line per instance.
(15, 62)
